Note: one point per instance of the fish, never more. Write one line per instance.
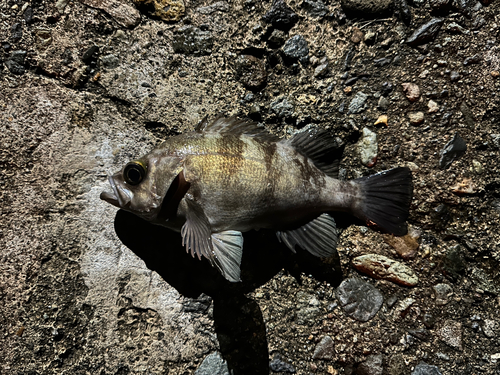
(229, 176)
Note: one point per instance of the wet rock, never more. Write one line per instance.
(325, 349)
(359, 300)
(167, 10)
(278, 364)
(406, 246)
(366, 7)
(213, 364)
(191, 40)
(296, 48)
(371, 366)
(16, 32)
(424, 369)
(452, 151)
(442, 293)
(281, 16)
(315, 8)
(219, 6)
(368, 148)
(121, 12)
(251, 71)
(425, 33)
(416, 118)
(358, 103)
(451, 334)
(15, 62)
(282, 107)
(381, 267)
(411, 91)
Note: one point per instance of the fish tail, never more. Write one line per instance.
(386, 198)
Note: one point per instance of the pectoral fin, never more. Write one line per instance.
(196, 233)
(227, 248)
(320, 236)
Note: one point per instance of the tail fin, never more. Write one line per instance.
(386, 199)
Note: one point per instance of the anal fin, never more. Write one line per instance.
(319, 236)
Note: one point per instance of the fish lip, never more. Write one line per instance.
(119, 197)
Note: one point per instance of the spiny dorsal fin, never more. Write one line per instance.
(234, 126)
(319, 146)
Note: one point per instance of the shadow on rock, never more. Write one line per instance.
(238, 320)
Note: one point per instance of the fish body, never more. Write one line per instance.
(230, 176)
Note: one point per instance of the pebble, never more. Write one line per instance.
(452, 151)
(15, 62)
(381, 119)
(219, 6)
(416, 118)
(367, 7)
(411, 91)
(281, 16)
(370, 37)
(277, 38)
(296, 48)
(213, 364)
(315, 8)
(123, 13)
(397, 365)
(424, 369)
(381, 267)
(420, 333)
(451, 334)
(468, 115)
(465, 186)
(16, 32)
(359, 299)
(325, 349)
(371, 366)
(483, 281)
(433, 106)
(454, 27)
(61, 5)
(357, 35)
(110, 61)
(476, 59)
(442, 293)
(453, 262)
(358, 103)
(322, 69)
(495, 74)
(251, 71)
(404, 11)
(281, 107)
(406, 246)
(402, 308)
(167, 10)
(383, 103)
(191, 40)
(278, 364)
(490, 327)
(454, 76)
(477, 167)
(425, 33)
(368, 148)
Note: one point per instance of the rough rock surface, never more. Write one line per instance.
(86, 85)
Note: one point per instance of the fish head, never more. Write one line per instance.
(142, 184)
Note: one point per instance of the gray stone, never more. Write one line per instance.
(383, 103)
(368, 147)
(281, 15)
(15, 63)
(282, 107)
(425, 33)
(358, 103)
(451, 334)
(219, 6)
(371, 366)
(359, 299)
(424, 369)
(442, 293)
(296, 48)
(490, 327)
(191, 40)
(278, 364)
(452, 151)
(213, 364)
(325, 349)
(110, 61)
(315, 8)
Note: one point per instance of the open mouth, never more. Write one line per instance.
(118, 197)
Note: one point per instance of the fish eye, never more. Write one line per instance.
(134, 172)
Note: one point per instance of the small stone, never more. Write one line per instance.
(61, 5)
(411, 91)
(381, 119)
(16, 32)
(123, 13)
(359, 300)
(424, 369)
(370, 37)
(321, 70)
(278, 364)
(476, 59)
(383, 103)
(325, 349)
(282, 107)
(357, 35)
(90, 55)
(442, 293)
(191, 40)
(451, 334)
(358, 103)
(397, 365)
(420, 333)
(402, 308)
(477, 166)
(281, 16)
(277, 38)
(433, 106)
(110, 61)
(15, 63)
(425, 33)
(366, 7)
(381, 267)
(213, 364)
(368, 148)
(315, 8)
(251, 71)
(371, 366)
(296, 48)
(495, 74)
(406, 246)
(468, 115)
(219, 6)
(452, 151)
(167, 10)
(454, 76)
(463, 187)
(490, 327)
(416, 118)
(453, 263)
(484, 281)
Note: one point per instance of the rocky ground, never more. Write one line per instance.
(88, 85)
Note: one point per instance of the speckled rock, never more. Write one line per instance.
(213, 364)
(296, 48)
(121, 11)
(451, 334)
(279, 364)
(442, 293)
(424, 369)
(282, 107)
(358, 103)
(191, 40)
(368, 148)
(167, 10)
(416, 118)
(324, 349)
(373, 365)
(411, 91)
(381, 267)
(359, 300)
(251, 71)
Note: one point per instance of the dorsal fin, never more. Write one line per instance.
(233, 125)
(319, 146)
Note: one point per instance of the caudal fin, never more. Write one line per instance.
(386, 199)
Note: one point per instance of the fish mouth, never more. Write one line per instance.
(119, 197)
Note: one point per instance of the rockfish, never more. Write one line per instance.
(230, 176)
